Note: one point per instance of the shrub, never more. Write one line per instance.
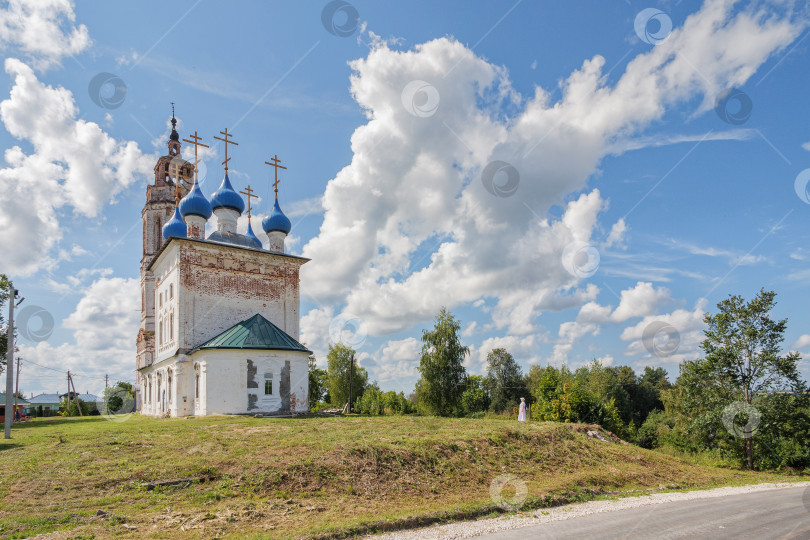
(372, 402)
(655, 429)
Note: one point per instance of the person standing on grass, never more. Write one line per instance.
(522, 410)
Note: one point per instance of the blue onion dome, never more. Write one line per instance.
(195, 203)
(227, 197)
(251, 235)
(276, 221)
(175, 226)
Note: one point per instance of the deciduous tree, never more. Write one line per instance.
(338, 368)
(504, 380)
(318, 379)
(742, 350)
(443, 377)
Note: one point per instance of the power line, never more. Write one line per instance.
(80, 373)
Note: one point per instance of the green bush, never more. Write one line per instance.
(475, 398)
(86, 408)
(372, 402)
(655, 430)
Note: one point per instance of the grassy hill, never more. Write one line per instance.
(250, 477)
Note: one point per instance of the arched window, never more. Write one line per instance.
(171, 326)
(171, 291)
(197, 381)
(169, 384)
(159, 391)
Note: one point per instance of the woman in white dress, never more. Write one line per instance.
(522, 410)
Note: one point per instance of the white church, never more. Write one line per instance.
(219, 314)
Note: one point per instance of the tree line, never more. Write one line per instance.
(742, 401)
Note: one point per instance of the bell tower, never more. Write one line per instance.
(170, 170)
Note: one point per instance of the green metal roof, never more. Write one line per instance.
(20, 401)
(254, 333)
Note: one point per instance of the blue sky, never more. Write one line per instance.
(616, 141)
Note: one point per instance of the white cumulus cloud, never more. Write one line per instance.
(42, 29)
(802, 343)
(411, 225)
(105, 324)
(74, 163)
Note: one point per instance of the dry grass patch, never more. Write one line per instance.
(306, 477)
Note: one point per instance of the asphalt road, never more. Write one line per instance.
(778, 513)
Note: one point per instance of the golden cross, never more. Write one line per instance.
(275, 164)
(196, 142)
(249, 193)
(177, 176)
(227, 142)
(176, 171)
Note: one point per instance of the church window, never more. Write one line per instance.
(171, 326)
(169, 384)
(197, 381)
(171, 291)
(268, 384)
(161, 300)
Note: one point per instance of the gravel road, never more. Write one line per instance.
(489, 526)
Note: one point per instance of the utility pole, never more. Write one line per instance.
(12, 297)
(78, 401)
(17, 386)
(68, 394)
(351, 381)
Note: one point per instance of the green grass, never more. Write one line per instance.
(248, 477)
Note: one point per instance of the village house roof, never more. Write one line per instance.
(254, 333)
(20, 401)
(55, 399)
